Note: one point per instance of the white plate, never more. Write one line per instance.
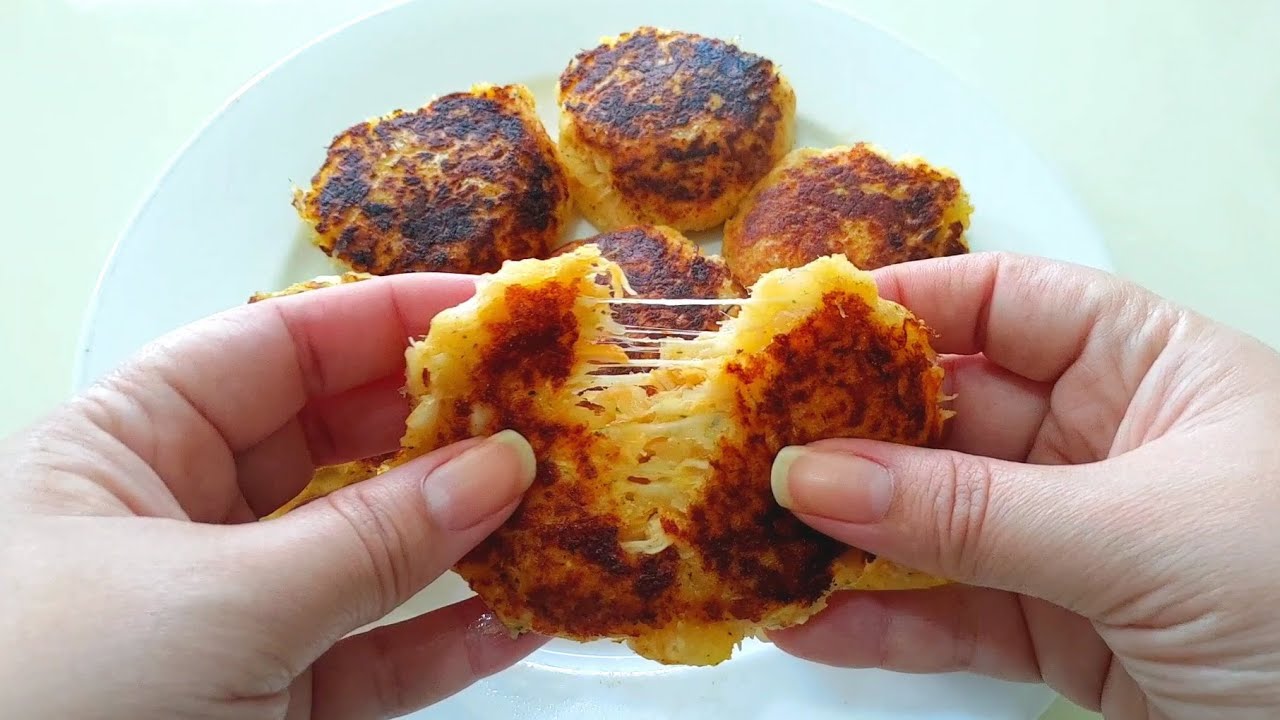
(219, 226)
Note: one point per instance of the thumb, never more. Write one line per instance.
(349, 558)
(1033, 529)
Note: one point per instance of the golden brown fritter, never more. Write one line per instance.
(670, 128)
(461, 185)
(856, 201)
(651, 519)
(659, 262)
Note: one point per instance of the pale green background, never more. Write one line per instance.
(1164, 117)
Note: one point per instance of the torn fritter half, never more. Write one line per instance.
(651, 520)
(856, 201)
(670, 128)
(461, 185)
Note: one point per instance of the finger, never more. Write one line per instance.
(227, 383)
(357, 424)
(919, 631)
(1073, 658)
(1032, 316)
(274, 471)
(368, 420)
(393, 670)
(975, 520)
(356, 554)
(957, 628)
(250, 369)
(998, 413)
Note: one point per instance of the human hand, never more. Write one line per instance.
(1109, 495)
(136, 582)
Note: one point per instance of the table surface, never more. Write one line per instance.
(1164, 119)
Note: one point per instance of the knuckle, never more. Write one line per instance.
(265, 707)
(380, 558)
(270, 673)
(883, 649)
(320, 435)
(393, 678)
(961, 500)
(962, 635)
(311, 366)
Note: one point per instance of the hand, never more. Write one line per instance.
(1110, 494)
(136, 582)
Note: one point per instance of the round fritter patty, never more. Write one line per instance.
(461, 185)
(856, 201)
(661, 263)
(670, 128)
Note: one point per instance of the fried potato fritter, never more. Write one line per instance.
(658, 263)
(856, 201)
(460, 185)
(651, 519)
(670, 128)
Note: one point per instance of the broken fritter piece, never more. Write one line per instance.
(856, 201)
(651, 519)
(461, 185)
(659, 263)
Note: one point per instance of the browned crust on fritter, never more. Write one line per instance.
(460, 185)
(635, 101)
(839, 374)
(660, 263)
(803, 209)
(557, 561)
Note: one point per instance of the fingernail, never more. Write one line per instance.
(481, 481)
(838, 486)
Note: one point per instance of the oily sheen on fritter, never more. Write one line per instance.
(468, 181)
(651, 520)
(670, 128)
(856, 201)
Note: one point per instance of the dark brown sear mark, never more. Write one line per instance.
(875, 211)
(651, 88)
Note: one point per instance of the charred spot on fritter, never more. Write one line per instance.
(854, 201)
(460, 185)
(670, 128)
(535, 343)
(836, 375)
(627, 87)
(762, 555)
